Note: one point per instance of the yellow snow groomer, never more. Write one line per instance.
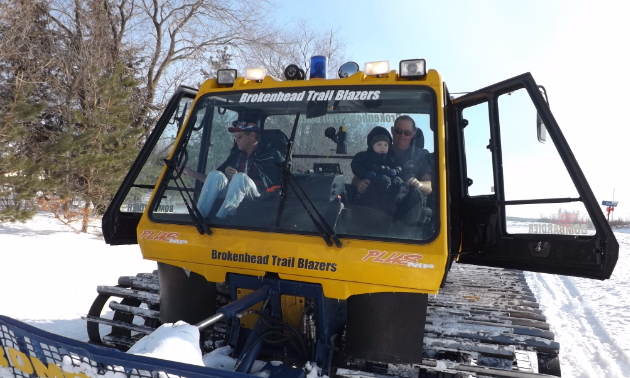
(288, 252)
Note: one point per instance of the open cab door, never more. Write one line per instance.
(121, 219)
(522, 200)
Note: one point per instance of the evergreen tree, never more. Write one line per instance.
(25, 56)
(19, 171)
(96, 151)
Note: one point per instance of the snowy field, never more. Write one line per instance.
(49, 277)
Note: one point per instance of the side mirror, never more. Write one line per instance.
(541, 131)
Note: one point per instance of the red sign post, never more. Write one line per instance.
(610, 207)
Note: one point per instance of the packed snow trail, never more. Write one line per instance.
(589, 318)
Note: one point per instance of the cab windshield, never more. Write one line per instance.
(293, 161)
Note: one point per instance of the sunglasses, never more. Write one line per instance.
(406, 132)
(238, 136)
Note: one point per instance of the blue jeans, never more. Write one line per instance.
(234, 191)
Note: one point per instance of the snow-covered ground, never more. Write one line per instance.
(49, 274)
(49, 277)
(590, 318)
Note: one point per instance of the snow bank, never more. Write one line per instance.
(175, 342)
(179, 342)
(220, 359)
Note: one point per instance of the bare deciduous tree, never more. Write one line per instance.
(180, 38)
(297, 46)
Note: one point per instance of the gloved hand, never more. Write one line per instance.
(390, 172)
(397, 181)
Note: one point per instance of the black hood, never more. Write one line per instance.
(378, 130)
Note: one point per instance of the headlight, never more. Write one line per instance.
(413, 68)
(226, 77)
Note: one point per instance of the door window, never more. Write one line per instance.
(478, 156)
(533, 170)
(140, 192)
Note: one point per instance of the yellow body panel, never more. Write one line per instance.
(249, 320)
(359, 267)
(292, 309)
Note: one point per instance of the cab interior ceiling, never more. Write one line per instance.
(317, 109)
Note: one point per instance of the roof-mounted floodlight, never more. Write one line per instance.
(348, 69)
(226, 77)
(256, 74)
(376, 68)
(319, 67)
(413, 68)
(293, 72)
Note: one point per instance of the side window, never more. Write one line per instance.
(221, 141)
(207, 148)
(478, 156)
(140, 192)
(534, 171)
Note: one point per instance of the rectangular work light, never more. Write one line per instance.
(226, 77)
(376, 68)
(413, 68)
(255, 74)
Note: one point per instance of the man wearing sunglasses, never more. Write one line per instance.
(416, 171)
(248, 170)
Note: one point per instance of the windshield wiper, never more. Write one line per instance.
(286, 170)
(193, 211)
(325, 231)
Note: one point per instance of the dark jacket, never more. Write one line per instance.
(414, 161)
(266, 162)
(368, 164)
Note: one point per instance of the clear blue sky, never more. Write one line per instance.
(576, 49)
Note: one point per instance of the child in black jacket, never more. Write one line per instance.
(386, 188)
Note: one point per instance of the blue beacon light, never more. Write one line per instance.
(319, 67)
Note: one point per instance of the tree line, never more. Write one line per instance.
(83, 81)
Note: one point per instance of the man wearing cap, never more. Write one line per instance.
(246, 172)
